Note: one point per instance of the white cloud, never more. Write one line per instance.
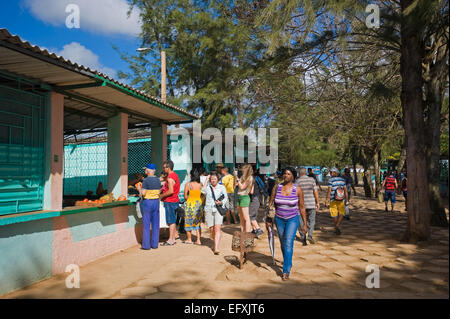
(77, 53)
(96, 16)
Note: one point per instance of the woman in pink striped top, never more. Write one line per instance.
(289, 204)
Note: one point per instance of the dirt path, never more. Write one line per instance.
(334, 267)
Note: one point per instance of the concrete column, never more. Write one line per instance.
(181, 155)
(118, 155)
(159, 146)
(54, 152)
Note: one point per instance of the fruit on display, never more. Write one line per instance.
(122, 198)
(109, 198)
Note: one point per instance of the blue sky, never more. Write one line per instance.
(103, 23)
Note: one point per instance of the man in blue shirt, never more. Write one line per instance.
(150, 190)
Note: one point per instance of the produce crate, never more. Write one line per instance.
(92, 204)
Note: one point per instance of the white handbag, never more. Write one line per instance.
(139, 207)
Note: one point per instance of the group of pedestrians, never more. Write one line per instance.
(215, 197)
(205, 196)
(296, 202)
(209, 195)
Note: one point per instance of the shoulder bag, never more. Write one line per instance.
(222, 211)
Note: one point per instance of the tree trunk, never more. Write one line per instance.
(367, 190)
(435, 76)
(412, 47)
(434, 101)
(240, 115)
(376, 166)
(402, 158)
(354, 162)
(355, 174)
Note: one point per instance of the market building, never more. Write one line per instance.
(51, 111)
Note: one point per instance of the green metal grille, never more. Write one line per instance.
(86, 164)
(139, 154)
(22, 127)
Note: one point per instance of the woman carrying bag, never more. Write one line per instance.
(216, 195)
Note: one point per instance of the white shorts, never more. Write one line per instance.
(212, 217)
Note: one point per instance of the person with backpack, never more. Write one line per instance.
(390, 185)
(337, 198)
(256, 199)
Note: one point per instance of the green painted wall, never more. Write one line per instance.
(26, 254)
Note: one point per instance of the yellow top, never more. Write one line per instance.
(152, 194)
(228, 182)
(194, 195)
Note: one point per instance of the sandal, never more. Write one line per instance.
(285, 277)
(166, 243)
(188, 242)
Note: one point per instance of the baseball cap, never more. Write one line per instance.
(220, 165)
(150, 166)
(334, 169)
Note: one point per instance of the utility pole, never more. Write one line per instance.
(163, 73)
(163, 77)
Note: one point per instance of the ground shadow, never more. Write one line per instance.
(258, 259)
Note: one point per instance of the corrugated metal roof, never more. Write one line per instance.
(22, 58)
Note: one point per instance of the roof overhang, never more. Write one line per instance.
(84, 89)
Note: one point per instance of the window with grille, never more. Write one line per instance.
(22, 131)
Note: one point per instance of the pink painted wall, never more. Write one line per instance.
(118, 155)
(124, 154)
(57, 149)
(66, 251)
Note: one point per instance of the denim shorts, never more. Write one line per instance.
(171, 212)
(389, 195)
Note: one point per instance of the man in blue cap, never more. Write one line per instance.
(151, 187)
